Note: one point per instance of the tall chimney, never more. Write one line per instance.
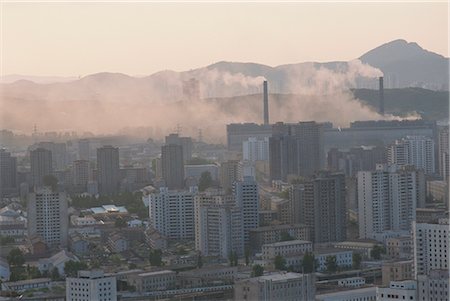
(266, 104)
(381, 91)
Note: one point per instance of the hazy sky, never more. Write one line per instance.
(71, 39)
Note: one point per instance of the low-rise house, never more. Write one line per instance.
(155, 239)
(78, 244)
(56, 261)
(38, 246)
(118, 243)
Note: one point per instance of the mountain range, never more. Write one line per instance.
(333, 91)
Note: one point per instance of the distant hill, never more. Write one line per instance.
(409, 65)
(429, 104)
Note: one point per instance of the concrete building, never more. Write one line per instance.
(230, 172)
(296, 150)
(218, 226)
(172, 166)
(277, 286)
(272, 234)
(360, 294)
(396, 271)
(438, 190)
(285, 248)
(246, 196)
(60, 158)
(81, 174)
(431, 247)
(237, 133)
(91, 286)
(254, 149)
(171, 212)
(398, 290)
(434, 286)
(108, 170)
(430, 215)
(9, 185)
(387, 199)
(41, 165)
(195, 171)
(443, 152)
(84, 149)
(48, 216)
(185, 142)
(344, 258)
(413, 150)
(399, 247)
(153, 281)
(356, 159)
(320, 204)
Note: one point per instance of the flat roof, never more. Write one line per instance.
(287, 243)
(156, 273)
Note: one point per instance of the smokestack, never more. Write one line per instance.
(266, 103)
(381, 90)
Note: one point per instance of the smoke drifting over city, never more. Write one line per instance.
(105, 103)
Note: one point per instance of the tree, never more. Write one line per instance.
(72, 267)
(235, 258)
(308, 263)
(120, 223)
(280, 263)
(257, 270)
(205, 181)
(116, 259)
(330, 264)
(55, 274)
(357, 261)
(285, 236)
(155, 257)
(247, 256)
(15, 258)
(376, 252)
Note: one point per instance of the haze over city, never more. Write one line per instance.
(224, 151)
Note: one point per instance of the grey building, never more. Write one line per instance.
(185, 142)
(172, 166)
(247, 199)
(319, 203)
(48, 216)
(108, 171)
(8, 174)
(296, 150)
(41, 165)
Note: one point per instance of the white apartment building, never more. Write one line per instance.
(431, 247)
(256, 149)
(398, 290)
(48, 216)
(435, 286)
(218, 226)
(285, 248)
(171, 212)
(344, 258)
(276, 286)
(387, 199)
(91, 286)
(413, 150)
(247, 199)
